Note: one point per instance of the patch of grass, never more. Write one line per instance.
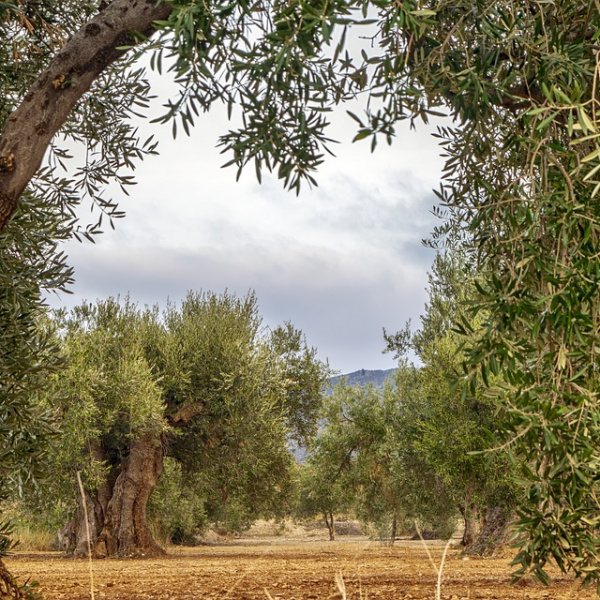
(33, 539)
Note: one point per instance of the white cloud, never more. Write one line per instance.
(340, 261)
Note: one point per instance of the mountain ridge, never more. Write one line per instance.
(376, 377)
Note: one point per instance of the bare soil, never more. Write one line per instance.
(289, 568)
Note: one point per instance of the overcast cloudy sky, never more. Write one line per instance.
(341, 261)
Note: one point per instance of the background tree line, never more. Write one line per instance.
(416, 452)
(188, 416)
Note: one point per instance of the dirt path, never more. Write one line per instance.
(288, 571)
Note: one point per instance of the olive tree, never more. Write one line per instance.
(454, 428)
(325, 486)
(204, 383)
(366, 458)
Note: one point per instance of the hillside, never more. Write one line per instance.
(365, 377)
(362, 377)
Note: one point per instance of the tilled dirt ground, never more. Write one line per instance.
(288, 570)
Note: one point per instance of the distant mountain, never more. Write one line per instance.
(362, 377)
(365, 377)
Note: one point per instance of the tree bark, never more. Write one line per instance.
(495, 532)
(9, 590)
(330, 526)
(125, 530)
(94, 525)
(67, 536)
(117, 511)
(45, 108)
(95, 506)
(472, 518)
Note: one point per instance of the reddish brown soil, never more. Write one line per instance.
(288, 570)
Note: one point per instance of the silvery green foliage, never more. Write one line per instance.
(31, 261)
(520, 183)
(206, 380)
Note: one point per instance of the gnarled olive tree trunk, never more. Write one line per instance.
(125, 530)
(94, 506)
(9, 590)
(83, 529)
(117, 513)
(473, 523)
(495, 532)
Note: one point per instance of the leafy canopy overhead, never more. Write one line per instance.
(519, 81)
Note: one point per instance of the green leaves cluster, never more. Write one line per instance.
(351, 429)
(206, 379)
(269, 62)
(29, 350)
(423, 449)
(31, 261)
(519, 183)
(520, 188)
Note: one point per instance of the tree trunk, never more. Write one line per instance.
(329, 522)
(95, 506)
(67, 536)
(125, 531)
(94, 525)
(472, 519)
(394, 531)
(117, 513)
(495, 532)
(45, 108)
(9, 590)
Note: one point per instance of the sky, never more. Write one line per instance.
(341, 261)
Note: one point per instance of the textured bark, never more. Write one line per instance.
(125, 529)
(95, 513)
(328, 516)
(9, 590)
(95, 506)
(495, 532)
(117, 511)
(67, 536)
(81, 530)
(45, 108)
(473, 522)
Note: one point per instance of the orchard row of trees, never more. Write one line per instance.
(417, 452)
(186, 416)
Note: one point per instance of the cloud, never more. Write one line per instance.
(340, 261)
(341, 306)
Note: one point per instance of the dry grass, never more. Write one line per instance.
(34, 539)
